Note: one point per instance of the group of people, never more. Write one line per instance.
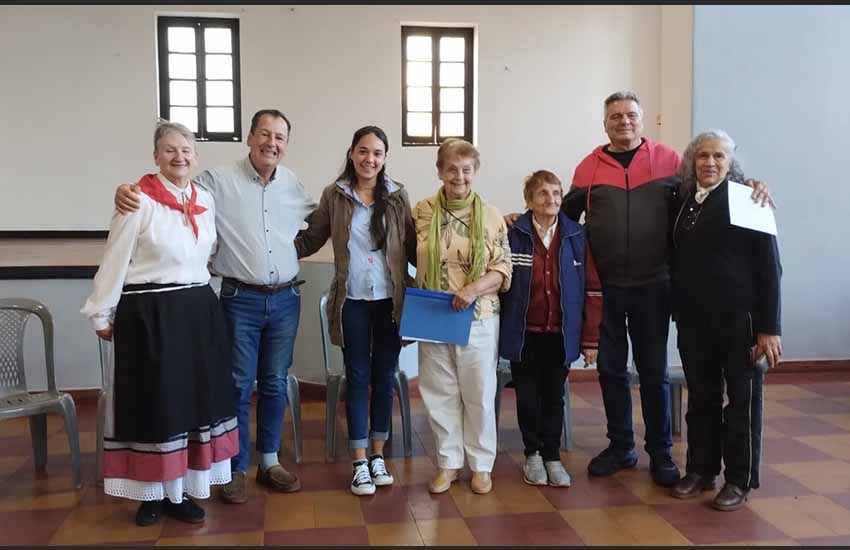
(544, 289)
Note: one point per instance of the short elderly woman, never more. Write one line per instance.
(462, 248)
(726, 301)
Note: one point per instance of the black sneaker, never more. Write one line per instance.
(187, 511)
(611, 461)
(664, 471)
(149, 512)
(361, 479)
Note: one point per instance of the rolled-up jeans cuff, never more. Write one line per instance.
(379, 436)
(358, 443)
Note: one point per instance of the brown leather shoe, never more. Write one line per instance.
(278, 479)
(692, 485)
(731, 497)
(236, 492)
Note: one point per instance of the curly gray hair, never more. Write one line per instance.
(165, 127)
(687, 170)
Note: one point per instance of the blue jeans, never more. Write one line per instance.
(262, 329)
(371, 345)
(646, 308)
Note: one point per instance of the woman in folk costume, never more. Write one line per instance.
(170, 429)
(462, 248)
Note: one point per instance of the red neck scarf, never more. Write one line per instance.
(151, 186)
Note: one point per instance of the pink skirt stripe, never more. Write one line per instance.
(146, 466)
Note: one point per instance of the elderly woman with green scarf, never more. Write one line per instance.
(462, 248)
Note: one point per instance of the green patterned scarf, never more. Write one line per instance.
(476, 237)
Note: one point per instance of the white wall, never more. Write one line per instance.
(79, 94)
(775, 77)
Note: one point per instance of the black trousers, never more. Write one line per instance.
(645, 312)
(539, 383)
(716, 349)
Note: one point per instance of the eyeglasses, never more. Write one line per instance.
(690, 216)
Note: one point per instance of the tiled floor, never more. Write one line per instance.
(805, 497)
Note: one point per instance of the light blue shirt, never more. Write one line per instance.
(368, 272)
(256, 223)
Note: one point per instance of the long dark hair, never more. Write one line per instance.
(377, 228)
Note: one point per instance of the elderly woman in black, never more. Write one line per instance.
(727, 308)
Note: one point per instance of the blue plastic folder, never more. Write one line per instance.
(428, 317)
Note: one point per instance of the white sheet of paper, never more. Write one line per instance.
(743, 212)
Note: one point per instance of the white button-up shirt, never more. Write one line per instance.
(256, 223)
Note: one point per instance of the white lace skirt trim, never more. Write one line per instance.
(196, 483)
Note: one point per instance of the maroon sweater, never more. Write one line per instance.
(544, 307)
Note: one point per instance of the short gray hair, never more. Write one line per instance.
(622, 95)
(165, 127)
(687, 169)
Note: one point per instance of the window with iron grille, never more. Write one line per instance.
(437, 79)
(199, 75)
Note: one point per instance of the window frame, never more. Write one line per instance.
(164, 22)
(437, 32)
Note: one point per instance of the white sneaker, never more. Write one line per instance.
(361, 481)
(558, 476)
(533, 472)
(378, 469)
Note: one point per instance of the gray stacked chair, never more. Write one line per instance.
(336, 390)
(503, 377)
(16, 400)
(293, 401)
(677, 383)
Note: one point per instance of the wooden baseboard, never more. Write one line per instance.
(789, 372)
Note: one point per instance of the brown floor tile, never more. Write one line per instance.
(324, 477)
(820, 405)
(781, 392)
(775, 484)
(427, 506)
(831, 476)
(704, 525)
(829, 389)
(32, 527)
(337, 536)
(337, 509)
(841, 498)
(840, 420)
(471, 504)
(514, 529)
(804, 517)
(588, 417)
(826, 541)
(779, 450)
(590, 492)
(221, 518)
(836, 446)
(445, 532)
(520, 497)
(287, 512)
(802, 425)
(618, 525)
(387, 505)
(394, 534)
(410, 471)
(112, 522)
(254, 538)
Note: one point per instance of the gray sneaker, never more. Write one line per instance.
(533, 472)
(558, 476)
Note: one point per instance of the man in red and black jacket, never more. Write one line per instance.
(627, 191)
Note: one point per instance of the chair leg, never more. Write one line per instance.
(294, 397)
(331, 413)
(69, 413)
(38, 433)
(676, 408)
(568, 420)
(101, 421)
(404, 405)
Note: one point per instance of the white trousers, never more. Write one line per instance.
(458, 387)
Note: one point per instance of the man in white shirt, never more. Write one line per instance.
(260, 205)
